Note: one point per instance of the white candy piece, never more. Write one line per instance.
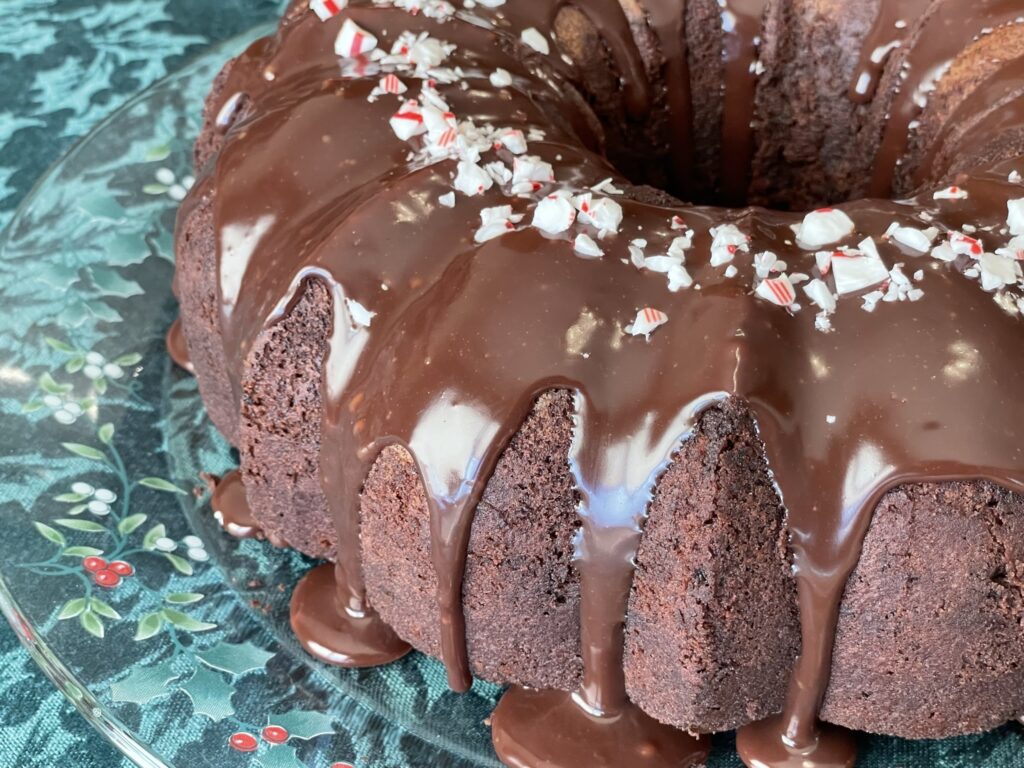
(728, 240)
(327, 9)
(499, 172)
(909, 237)
(535, 40)
(678, 278)
(680, 245)
(495, 222)
(554, 214)
(821, 295)
(778, 290)
(500, 78)
(1013, 249)
(447, 200)
(1015, 216)
(360, 315)
(392, 84)
(998, 271)
(353, 41)
(647, 320)
(950, 193)
(765, 263)
(856, 270)
(823, 227)
(586, 247)
(471, 179)
(660, 264)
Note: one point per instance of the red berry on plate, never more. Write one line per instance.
(342, 765)
(243, 742)
(106, 578)
(275, 734)
(93, 564)
(121, 568)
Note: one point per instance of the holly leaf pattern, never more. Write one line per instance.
(303, 724)
(210, 694)
(282, 756)
(237, 659)
(143, 684)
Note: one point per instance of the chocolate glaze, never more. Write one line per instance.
(311, 185)
(177, 349)
(232, 511)
(575, 736)
(742, 23)
(335, 634)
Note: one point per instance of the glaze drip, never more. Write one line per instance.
(177, 349)
(463, 338)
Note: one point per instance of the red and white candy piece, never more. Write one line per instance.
(392, 84)
(585, 246)
(535, 40)
(728, 241)
(554, 214)
(855, 270)
(529, 174)
(327, 9)
(647, 321)
(408, 121)
(471, 179)
(495, 222)
(951, 193)
(353, 41)
(823, 227)
(1014, 249)
(778, 290)
(511, 139)
(1015, 216)
(603, 214)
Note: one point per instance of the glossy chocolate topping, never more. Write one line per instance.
(313, 184)
(232, 511)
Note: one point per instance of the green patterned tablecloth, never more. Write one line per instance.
(64, 65)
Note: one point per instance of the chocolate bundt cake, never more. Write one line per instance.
(661, 359)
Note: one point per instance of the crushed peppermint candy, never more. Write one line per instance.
(389, 84)
(495, 222)
(951, 193)
(823, 227)
(1015, 216)
(500, 78)
(585, 246)
(529, 174)
(998, 271)
(511, 139)
(728, 240)
(471, 179)
(408, 121)
(353, 41)
(604, 214)
(327, 9)
(778, 290)
(554, 214)
(647, 320)
(821, 295)
(857, 269)
(360, 315)
(911, 237)
(534, 39)
(447, 200)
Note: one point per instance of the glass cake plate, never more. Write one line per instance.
(170, 637)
